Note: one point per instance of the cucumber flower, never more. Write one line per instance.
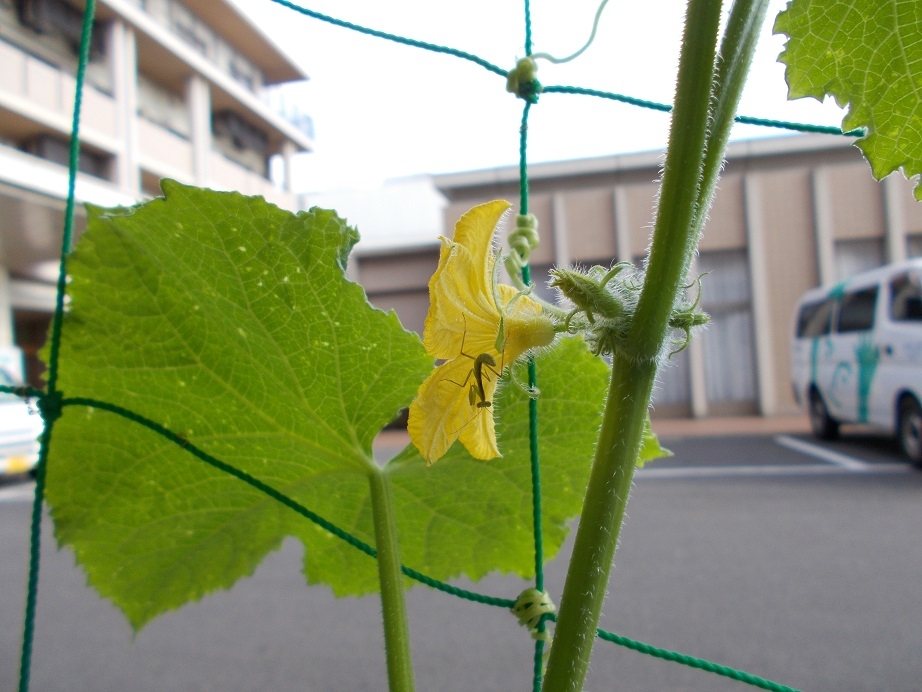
(478, 328)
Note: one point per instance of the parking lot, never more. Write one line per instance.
(767, 552)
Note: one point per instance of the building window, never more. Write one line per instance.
(59, 19)
(239, 133)
(185, 25)
(672, 382)
(729, 353)
(163, 107)
(198, 35)
(914, 245)
(854, 256)
(241, 142)
(58, 150)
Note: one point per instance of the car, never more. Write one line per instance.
(20, 423)
(856, 354)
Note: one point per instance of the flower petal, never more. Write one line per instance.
(463, 315)
(474, 231)
(525, 324)
(439, 338)
(442, 412)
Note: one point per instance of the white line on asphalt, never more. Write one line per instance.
(835, 462)
(18, 493)
(737, 471)
(837, 458)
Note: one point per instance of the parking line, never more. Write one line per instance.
(833, 462)
(735, 471)
(836, 458)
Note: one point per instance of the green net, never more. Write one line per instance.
(51, 401)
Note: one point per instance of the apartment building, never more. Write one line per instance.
(790, 213)
(180, 89)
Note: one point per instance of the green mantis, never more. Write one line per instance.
(477, 394)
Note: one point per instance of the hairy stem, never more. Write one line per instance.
(633, 373)
(736, 51)
(396, 630)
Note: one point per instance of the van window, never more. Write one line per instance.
(814, 319)
(856, 313)
(906, 298)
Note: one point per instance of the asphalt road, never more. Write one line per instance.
(795, 562)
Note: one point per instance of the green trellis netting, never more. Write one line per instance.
(51, 401)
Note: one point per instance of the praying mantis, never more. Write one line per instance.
(477, 395)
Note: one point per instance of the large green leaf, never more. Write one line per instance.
(231, 323)
(466, 516)
(868, 55)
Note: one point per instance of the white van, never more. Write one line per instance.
(20, 425)
(856, 354)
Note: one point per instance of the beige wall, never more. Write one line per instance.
(590, 224)
(725, 228)
(641, 210)
(856, 202)
(786, 213)
(784, 203)
(397, 281)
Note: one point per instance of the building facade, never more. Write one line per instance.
(174, 88)
(790, 213)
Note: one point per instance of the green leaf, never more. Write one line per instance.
(467, 516)
(650, 448)
(229, 322)
(868, 55)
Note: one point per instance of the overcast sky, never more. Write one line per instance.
(383, 110)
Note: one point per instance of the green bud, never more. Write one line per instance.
(590, 296)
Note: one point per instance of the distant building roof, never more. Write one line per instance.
(748, 148)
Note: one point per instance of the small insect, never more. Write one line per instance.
(477, 395)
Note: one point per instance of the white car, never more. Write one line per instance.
(20, 427)
(856, 354)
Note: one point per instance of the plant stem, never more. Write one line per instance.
(396, 630)
(736, 51)
(633, 372)
(603, 512)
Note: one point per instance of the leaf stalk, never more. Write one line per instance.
(394, 612)
(707, 95)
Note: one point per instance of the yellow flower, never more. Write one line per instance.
(467, 312)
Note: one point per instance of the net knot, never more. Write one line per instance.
(523, 241)
(522, 81)
(530, 607)
(50, 406)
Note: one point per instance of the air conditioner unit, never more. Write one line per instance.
(229, 125)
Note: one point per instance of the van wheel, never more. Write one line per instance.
(910, 430)
(824, 427)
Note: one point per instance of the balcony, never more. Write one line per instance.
(163, 152)
(32, 194)
(227, 175)
(38, 98)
